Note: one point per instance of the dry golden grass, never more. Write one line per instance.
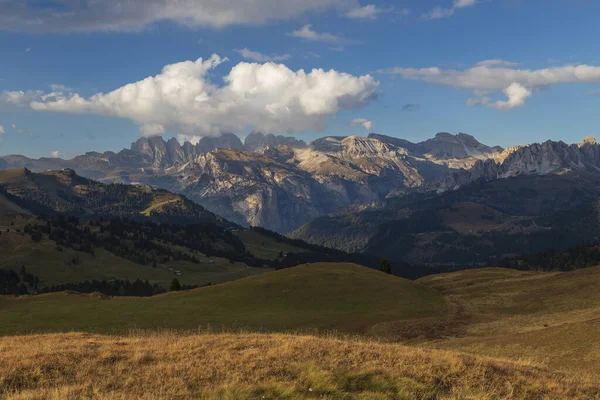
(549, 318)
(261, 366)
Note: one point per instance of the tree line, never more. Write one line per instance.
(24, 283)
(582, 256)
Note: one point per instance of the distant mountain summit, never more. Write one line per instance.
(533, 159)
(446, 148)
(257, 141)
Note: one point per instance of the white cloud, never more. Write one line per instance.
(193, 139)
(370, 11)
(517, 94)
(307, 33)
(495, 62)
(2, 131)
(18, 99)
(135, 15)
(256, 56)
(464, 3)
(267, 97)
(56, 154)
(441, 12)
(57, 87)
(365, 123)
(488, 77)
(152, 129)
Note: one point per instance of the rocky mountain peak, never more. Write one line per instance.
(280, 153)
(401, 143)
(225, 141)
(589, 140)
(356, 147)
(448, 146)
(328, 144)
(257, 141)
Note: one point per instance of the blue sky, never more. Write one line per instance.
(545, 54)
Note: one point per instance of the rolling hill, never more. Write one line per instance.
(343, 297)
(519, 335)
(547, 318)
(53, 263)
(261, 366)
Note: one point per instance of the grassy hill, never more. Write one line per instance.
(54, 265)
(548, 318)
(259, 366)
(343, 297)
(265, 246)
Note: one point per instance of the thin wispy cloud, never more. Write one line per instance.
(496, 62)
(440, 12)
(260, 57)
(410, 107)
(487, 78)
(308, 33)
(136, 15)
(370, 11)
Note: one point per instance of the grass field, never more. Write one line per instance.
(262, 366)
(343, 297)
(551, 319)
(265, 247)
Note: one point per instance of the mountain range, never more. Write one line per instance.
(423, 200)
(277, 182)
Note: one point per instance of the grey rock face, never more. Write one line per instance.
(257, 141)
(534, 159)
(444, 146)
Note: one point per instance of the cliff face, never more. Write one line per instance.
(534, 159)
(257, 141)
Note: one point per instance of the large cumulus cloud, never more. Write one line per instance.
(269, 97)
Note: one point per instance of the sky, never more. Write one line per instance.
(96, 75)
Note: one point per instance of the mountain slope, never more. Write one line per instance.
(64, 191)
(478, 223)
